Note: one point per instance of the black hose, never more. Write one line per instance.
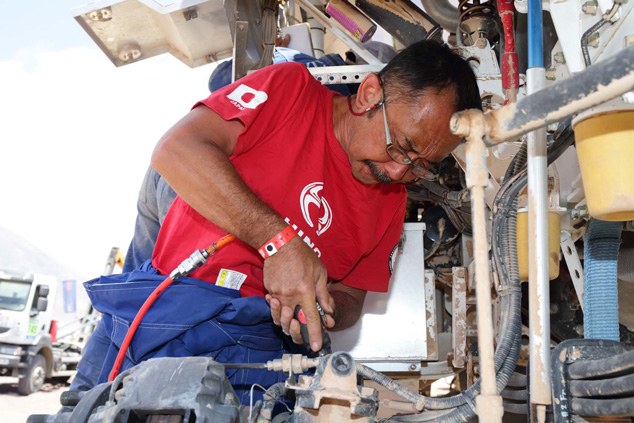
(611, 366)
(618, 386)
(602, 407)
(594, 28)
(389, 384)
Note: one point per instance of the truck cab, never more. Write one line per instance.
(25, 321)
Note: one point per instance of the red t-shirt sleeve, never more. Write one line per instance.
(261, 101)
(373, 271)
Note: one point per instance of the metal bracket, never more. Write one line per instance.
(328, 75)
(574, 264)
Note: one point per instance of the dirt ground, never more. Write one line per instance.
(16, 408)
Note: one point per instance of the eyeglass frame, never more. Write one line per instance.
(429, 175)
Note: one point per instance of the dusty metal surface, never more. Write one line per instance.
(489, 404)
(459, 317)
(538, 286)
(574, 264)
(430, 314)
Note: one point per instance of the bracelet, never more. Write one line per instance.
(274, 244)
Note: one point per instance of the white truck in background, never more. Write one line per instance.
(28, 349)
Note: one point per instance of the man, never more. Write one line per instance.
(277, 159)
(156, 196)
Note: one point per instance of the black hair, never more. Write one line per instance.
(427, 65)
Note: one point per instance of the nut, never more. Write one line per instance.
(551, 74)
(560, 58)
(628, 40)
(593, 40)
(589, 8)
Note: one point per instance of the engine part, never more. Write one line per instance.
(401, 18)
(188, 387)
(477, 21)
(443, 12)
(592, 378)
(553, 244)
(601, 249)
(605, 157)
(597, 84)
(332, 394)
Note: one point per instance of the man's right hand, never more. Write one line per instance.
(295, 276)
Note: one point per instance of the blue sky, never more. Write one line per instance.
(76, 133)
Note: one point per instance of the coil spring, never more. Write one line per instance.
(476, 8)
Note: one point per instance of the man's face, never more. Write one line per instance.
(420, 127)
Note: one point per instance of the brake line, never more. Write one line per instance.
(197, 259)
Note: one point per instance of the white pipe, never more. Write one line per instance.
(538, 279)
(489, 403)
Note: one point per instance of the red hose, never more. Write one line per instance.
(148, 303)
(510, 63)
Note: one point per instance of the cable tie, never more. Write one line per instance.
(504, 290)
(469, 401)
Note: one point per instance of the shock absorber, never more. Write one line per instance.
(477, 21)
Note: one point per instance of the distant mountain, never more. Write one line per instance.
(20, 256)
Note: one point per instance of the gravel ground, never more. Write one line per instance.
(15, 408)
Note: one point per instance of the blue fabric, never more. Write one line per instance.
(190, 318)
(600, 284)
(155, 199)
(222, 74)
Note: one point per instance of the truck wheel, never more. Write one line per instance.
(34, 377)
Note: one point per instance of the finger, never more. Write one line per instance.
(313, 322)
(326, 301)
(275, 310)
(330, 321)
(285, 319)
(296, 333)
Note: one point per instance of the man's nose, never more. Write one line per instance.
(396, 171)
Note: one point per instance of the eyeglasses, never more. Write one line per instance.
(401, 156)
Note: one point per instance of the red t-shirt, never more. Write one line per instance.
(289, 157)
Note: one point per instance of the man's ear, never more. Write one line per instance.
(369, 92)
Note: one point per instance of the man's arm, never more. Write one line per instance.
(193, 158)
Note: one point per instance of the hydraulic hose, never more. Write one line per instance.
(623, 385)
(190, 264)
(606, 367)
(602, 407)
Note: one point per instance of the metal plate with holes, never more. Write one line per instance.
(194, 31)
(397, 329)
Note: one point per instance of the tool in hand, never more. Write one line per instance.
(303, 327)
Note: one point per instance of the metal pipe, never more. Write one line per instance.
(489, 403)
(597, 84)
(443, 12)
(538, 278)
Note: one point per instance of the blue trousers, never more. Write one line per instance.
(190, 318)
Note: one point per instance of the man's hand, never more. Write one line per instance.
(295, 276)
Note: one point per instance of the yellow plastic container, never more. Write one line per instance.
(605, 147)
(553, 245)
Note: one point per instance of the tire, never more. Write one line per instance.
(34, 377)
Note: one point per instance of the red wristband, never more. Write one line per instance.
(272, 245)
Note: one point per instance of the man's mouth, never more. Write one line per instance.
(378, 174)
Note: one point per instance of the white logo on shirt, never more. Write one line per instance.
(310, 195)
(237, 97)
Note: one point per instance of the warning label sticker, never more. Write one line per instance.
(230, 279)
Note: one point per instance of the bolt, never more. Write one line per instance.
(579, 213)
(579, 330)
(552, 127)
(551, 74)
(412, 367)
(593, 40)
(589, 8)
(554, 308)
(628, 40)
(560, 58)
